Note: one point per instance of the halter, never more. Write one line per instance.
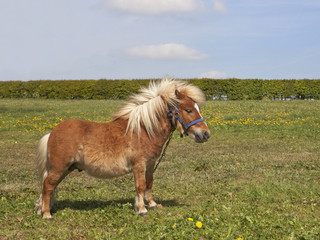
(185, 128)
(177, 118)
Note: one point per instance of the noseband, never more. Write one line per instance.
(177, 118)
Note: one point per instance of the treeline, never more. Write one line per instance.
(231, 89)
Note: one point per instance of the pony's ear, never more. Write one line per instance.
(178, 94)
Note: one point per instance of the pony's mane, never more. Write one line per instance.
(146, 107)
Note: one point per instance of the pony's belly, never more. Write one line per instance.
(107, 168)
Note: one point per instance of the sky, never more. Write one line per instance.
(138, 39)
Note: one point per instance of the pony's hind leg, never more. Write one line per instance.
(39, 202)
(49, 185)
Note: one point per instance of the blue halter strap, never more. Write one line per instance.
(177, 118)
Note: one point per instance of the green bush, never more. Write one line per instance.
(231, 89)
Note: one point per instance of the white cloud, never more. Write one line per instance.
(156, 7)
(214, 74)
(219, 6)
(169, 51)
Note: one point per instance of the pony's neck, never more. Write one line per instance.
(163, 132)
(166, 126)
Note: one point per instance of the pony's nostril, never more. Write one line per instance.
(206, 135)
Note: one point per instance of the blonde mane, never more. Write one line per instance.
(146, 107)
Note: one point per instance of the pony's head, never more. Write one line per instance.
(151, 103)
(186, 116)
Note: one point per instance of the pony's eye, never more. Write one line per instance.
(188, 110)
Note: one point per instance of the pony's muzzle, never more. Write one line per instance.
(202, 136)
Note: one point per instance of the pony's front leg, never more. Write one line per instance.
(148, 193)
(139, 171)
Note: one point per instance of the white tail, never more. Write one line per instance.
(42, 166)
(42, 158)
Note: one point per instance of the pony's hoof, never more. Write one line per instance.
(152, 207)
(47, 217)
(143, 214)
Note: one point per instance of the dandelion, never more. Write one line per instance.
(190, 219)
(174, 226)
(239, 238)
(199, 224)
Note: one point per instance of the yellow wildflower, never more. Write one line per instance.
(174, 226)
(199, 224)
(190, 219)
(239, 238)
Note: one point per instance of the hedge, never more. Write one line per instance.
(231, 89)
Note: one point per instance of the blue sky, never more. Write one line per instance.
(115, 39)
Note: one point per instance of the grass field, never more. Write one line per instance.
(257, 178)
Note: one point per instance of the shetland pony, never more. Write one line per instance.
(131, 142)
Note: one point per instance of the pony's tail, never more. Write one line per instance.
(42, 167)
(42, 158)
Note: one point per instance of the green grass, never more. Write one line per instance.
(257, 178)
